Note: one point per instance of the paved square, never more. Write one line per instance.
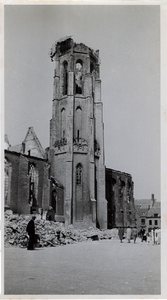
(104, 267)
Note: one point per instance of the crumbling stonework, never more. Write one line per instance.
(51, 234)
(119, 194)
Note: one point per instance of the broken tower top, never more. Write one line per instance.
(67, 45)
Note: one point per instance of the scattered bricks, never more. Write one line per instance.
(51, 233)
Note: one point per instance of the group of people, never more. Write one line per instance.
(153, 236)
(129, 234)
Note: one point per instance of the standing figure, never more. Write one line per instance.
(156, 235)
(134, 234)
(148, 237)
(142, 231)
(31, 232)
(129, 231)
(121, 233)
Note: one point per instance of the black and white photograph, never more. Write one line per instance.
(82, 159)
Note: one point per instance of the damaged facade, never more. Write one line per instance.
(71, 175)
(119, 195)
(26, 176)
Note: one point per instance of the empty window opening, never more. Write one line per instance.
(78, 76)
(91, 67)
(65, 78)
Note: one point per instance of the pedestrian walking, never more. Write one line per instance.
(31, 232)
(128, 234)
(134, 234)
(121, 233)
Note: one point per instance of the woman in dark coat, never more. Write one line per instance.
(31, 232)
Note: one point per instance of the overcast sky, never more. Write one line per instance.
(128, 38)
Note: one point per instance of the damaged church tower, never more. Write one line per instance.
(77, 135)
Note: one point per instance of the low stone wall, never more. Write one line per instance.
(50, 233)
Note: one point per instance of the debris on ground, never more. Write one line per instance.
(51, 233)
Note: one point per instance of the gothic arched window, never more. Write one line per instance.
(79, 174)
(78, 123)
(33, 175)
(65, 78)
(63, 123)
(78, 76)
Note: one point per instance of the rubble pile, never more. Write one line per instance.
(50, 233)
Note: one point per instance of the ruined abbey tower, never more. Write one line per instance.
(77, 136)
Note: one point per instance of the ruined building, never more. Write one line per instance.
(76, 133)
(74, 180)
(119, 195)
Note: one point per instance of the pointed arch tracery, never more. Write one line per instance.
(33, 177)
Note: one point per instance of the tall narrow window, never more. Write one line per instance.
(78, 123)
(91, 67)
(63, 123)
(78, 76)
(78, 135)
(33, 175)
(78, 193)
(65, 78)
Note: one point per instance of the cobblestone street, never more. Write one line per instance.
(104, 267)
